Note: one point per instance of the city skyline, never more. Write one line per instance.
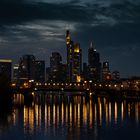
(113, 26)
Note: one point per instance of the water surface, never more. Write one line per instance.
(69, 117)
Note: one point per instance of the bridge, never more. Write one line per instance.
(86, 87)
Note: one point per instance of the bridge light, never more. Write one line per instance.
(31, 81)
(100, 85)
(90, 81)
(54, 84)
(115, 85)
(45, 84)
(90, 93)
(13, 85)
(122, 86)
(35, 88)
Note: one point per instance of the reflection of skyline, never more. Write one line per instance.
(71, 113)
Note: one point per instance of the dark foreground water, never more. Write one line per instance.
(51, 117)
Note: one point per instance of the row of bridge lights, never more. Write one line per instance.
(85, 83)
(78, 84)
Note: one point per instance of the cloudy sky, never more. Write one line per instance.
(38, 27)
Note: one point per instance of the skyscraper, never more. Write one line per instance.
(27, 68)
(70, 45)
(74, 59)
(39, 71)
(94, 64)
(57, 69)
(106, 74)
(15, 72)
(55, 63)
(76, 63)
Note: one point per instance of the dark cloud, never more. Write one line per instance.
(38, 27)
(15, 12)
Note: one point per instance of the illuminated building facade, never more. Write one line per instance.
(74, 59)
(106, 74)
(5, 69)
(76, 63)
(94, 64)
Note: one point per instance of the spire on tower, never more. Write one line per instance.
(91, 46)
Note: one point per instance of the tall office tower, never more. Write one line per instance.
(55, 67)
(27, 68)
(39, 71)
(94, 64)
(106, 74)
(76, 63)
(15, 72)
(70, 45)
(74, 59)
(5, 71)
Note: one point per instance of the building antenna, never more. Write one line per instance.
(91, 46)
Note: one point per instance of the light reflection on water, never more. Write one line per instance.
(70, 117)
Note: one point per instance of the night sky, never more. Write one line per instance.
(38, 27)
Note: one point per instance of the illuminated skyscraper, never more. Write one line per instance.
(77, 63)
(74, 60)
(106, 74)
(94, 64)
(70, 45)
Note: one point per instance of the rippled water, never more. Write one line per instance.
(70, 117)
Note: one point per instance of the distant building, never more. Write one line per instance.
(85, 71)
(57, 70)
(115, 75)
(94, 64)
(39, 71)
(106, 74)
(5, 69)
(74, 59)
(15, 72)
(27, 68)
